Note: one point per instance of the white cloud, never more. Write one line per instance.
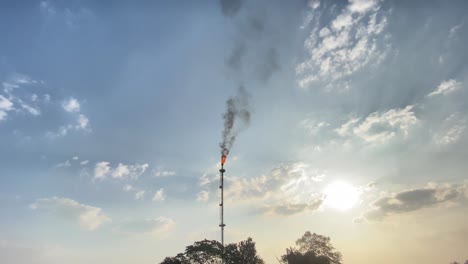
(122, 171)
(164, 173)
(345, 129)
(71, 105)
(312, 126)
(84, 162)
(453, 31)
(314, 4)
(450, 136)
(5, 106)
(353, 43)
(288, 186)
(24, 102)
(380, 127)
(22, 79)
(139, 195)
(361, 6)
(203, 196)
(101, 170)
(83, 123)
(30, 109)
(8, 87)
(63, 164)
(451, 130)
(130, 171)
(88, 217)
(446, 87)
(159, 195)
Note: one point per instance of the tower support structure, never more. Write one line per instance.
(221, 205)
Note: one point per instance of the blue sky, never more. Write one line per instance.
(111, 118)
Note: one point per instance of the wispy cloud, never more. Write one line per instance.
(19, 101)
(350, 41)
(63, 164)
(451, 130)
(5, 106)
(82, 123)
(163, 173)
(446, 87)
(71, 17)
(313, 126)
(139, 195)
(291, 187)
(71, 105)
(159, 195)
(101, 169)
(88, 217)
(203, 196)
(379, 127)
(454, 30)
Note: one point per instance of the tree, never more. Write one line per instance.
(455, 262)
(293, 256)
(205, 251)
(242, 252)
(179, 259)
(312, 249)
(212, 252)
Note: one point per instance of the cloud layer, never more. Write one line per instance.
(416, 199)
(88, 217)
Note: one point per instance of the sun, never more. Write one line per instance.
(341, 195)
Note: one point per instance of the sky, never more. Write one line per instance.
(111, 119)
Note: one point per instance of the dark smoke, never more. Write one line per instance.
(269, 65)
(234, 59)
(253, 51)
(237, 116)
(230, 7)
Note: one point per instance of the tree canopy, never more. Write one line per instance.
(211, 252)
(312, 249)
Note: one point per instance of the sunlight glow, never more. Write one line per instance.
(341, 195)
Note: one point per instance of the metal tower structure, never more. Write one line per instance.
(221, 205)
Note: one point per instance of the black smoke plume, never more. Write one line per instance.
(237, 116)
(254, 50)
(230, 7)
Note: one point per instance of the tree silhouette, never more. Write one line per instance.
(455, 262)
(211, 252)
(312, 249)
(293, 256)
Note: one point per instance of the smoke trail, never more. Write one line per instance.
(237, 116)
(230, 7)
(255, 46)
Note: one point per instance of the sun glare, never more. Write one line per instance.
(341, 196)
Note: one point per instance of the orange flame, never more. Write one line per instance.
(223, 159)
